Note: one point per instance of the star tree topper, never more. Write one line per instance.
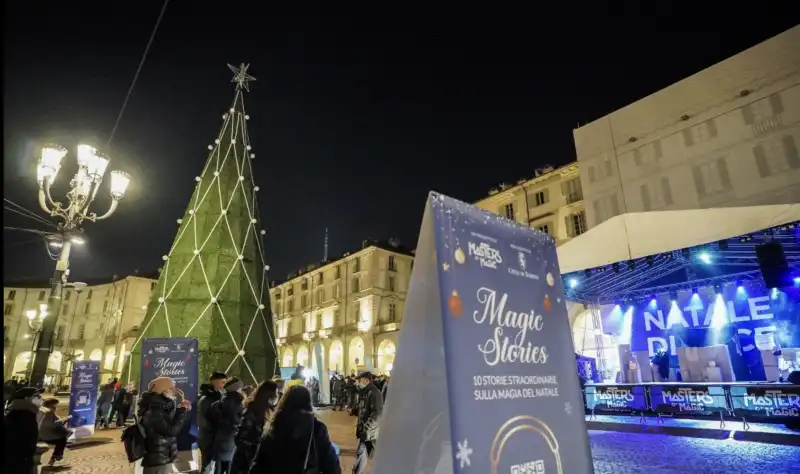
(240, 76)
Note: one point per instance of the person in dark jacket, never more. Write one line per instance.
(370, 408)
(104, 404)
(296, 439)
(21, 430)
(52, 430)
(116, 404)
(162, 421)
(226, 417)
(209, 393)
(254, 422)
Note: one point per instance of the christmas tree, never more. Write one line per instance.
(213, 285)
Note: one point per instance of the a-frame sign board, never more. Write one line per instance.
(484, 379)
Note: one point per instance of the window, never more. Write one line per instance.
(540, 198)
(60, 333)
(337, 317)
(290, 291)
(666, 191)
(303, 301)
(41, 295)
(544, 228)
(337, 272)
(337, 291)
(572, 190)
(67, 295)
(105, 307)
(320, 278)
(357, 312)
(392, 312)
(89, 295)
(700, 133)
(11, 295)
(320, 296)
(392, 265)
(762, 110)
(508, 211)
(86, 308)
(391, 284)
(773, 157)
(319, 322)
(8, 309)
(64, 307)
(356, 287)
(576, 224)
(82, 331)
(290, 306)
(153, 285)
(711, 178)
(645, 193)
(304, 285)
(608, 168)
(357, 265)
(277, 295)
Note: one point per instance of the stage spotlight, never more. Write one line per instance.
(631, 265)
(718, 288)
(739, 285)
(587, 273)
(694, 290)
(649, 260)
(653, 302)
(796, 281)
(615, 267)
(723, 245)
(673, 296)
(686, 253)
(572, 282)
(705, 257)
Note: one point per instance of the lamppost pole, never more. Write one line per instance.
(35, 322)
(83, 190)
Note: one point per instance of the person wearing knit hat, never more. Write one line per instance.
(162, 420)
(227, 417)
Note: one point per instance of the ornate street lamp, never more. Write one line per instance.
(83, 189)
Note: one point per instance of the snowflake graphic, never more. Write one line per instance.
(463, 454)
(568, 408)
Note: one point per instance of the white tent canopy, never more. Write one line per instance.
(639, 234)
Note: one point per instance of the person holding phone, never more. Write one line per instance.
(53, 431)
(162, 418)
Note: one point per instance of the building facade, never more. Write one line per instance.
(98, 322)
(726, 136)
(346, 312)
(551, 201)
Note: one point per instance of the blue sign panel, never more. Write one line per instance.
(688, 399)
(770, 401)
(83, 397)
(176, 358)
(616, 398)
(514, 397)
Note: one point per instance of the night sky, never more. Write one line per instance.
(354, 118)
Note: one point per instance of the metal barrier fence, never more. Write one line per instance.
(763, 403)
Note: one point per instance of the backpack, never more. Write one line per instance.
(133, 438)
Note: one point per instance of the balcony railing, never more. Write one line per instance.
(572, 198)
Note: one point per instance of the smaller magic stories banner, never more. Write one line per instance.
(176, 358)
(83, 393)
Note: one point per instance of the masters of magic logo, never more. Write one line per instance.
(485, 254)
(774, 403)
(687, 399)
(613, 397)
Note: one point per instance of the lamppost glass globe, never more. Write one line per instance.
(119, 183)
(50, 163)
(30, 314)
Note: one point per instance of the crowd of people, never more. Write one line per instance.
(267, 429)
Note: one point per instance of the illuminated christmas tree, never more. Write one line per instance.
(213, 285)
